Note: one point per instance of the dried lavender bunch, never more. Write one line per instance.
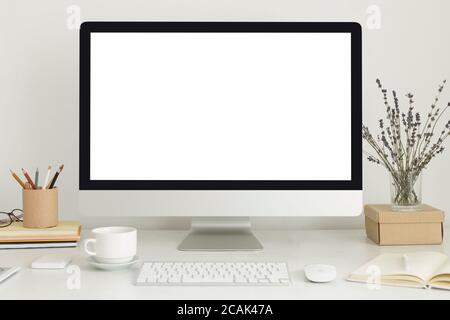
(407, 143)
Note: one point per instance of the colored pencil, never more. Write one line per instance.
(27, 176)
(15, 176)
(52, 184)
(47, 177)
(36, 178)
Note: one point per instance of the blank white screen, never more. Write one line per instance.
(220, 106)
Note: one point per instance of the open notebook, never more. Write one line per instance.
(417, 269)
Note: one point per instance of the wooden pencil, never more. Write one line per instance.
(52, 183)
(15, 176)
(27, 176)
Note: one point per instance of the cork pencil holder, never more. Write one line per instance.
(40, 208)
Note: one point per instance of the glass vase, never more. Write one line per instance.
(406, 191)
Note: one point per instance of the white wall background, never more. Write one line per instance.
(39, 82)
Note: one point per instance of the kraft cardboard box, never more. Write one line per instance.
(386, 227)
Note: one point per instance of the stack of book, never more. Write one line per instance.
(65, 234)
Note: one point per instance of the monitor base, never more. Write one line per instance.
(220, 234)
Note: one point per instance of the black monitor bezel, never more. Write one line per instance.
(85, 182)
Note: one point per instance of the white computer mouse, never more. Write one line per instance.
(320, 273)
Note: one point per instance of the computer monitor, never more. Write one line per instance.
(220, 121)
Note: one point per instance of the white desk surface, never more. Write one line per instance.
(346, 249)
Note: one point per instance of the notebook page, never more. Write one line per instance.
(425, 264)
(444, 269)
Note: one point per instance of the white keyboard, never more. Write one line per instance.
(214, 273)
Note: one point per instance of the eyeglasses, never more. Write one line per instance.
(7, 218)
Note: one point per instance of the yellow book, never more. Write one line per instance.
(416, 269)
(64, 231)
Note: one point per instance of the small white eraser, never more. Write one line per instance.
(51, 261)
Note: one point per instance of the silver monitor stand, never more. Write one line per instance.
(220, 234)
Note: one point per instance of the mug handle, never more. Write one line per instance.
(86, 244)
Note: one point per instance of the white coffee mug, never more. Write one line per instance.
(112, 244)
